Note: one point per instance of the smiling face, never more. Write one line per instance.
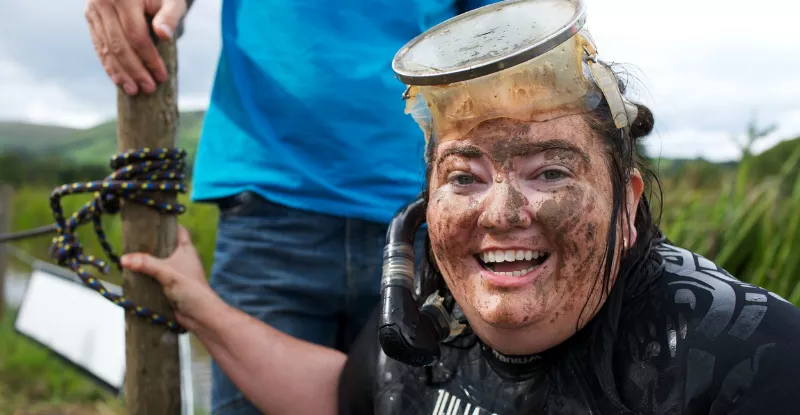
(518, 215)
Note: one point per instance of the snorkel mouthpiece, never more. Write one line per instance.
(406, 333)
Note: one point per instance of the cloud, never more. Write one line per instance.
(50, 72)
(704, 68)
(43, 101)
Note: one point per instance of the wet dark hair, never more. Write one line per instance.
(639, 265)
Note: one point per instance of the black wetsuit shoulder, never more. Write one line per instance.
(710, 344)
(705, 343)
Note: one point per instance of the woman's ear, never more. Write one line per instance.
(634, 191)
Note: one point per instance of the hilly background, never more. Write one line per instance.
(48, 156)
(90, 146)
(51, 155)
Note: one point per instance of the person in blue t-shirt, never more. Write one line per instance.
(304, 148)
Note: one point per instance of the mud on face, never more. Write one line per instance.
(541, 187)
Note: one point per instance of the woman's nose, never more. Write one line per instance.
(505, 208)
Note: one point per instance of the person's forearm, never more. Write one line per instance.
(276, 372)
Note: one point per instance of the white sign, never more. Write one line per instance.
(77, 323)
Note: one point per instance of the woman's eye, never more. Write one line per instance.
(553, 175)
(463, 179)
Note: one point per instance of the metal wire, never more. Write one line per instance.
(30, 233)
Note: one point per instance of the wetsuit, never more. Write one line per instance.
(705, 343)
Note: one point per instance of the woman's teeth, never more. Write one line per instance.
(510, 256)
(504, 262)
(516, 273)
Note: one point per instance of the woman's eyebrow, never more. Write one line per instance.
(522, 149)
(469, 151)
(505, 150)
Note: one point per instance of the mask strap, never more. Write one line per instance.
(417, 107)
(623, 112)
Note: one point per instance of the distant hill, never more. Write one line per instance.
(33, 138)
(770, 162)
(673, 166)
(767, 162)
(91, 146)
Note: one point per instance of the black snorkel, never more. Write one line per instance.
(407, 332)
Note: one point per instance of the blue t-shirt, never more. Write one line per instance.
(306, 111)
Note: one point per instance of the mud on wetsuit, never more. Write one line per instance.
(706, 343)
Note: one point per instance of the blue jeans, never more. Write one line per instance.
(313, 276)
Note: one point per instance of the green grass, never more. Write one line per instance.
(748, 223)
(32, 209)
(32, 379)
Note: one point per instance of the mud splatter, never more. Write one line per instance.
(515, 202)
(548, 213)
(590, 232)
(516, 199)
(572, 219)
(438, 198)
(446, 222)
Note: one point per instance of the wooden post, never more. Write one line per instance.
(6, 201)
(152, 378)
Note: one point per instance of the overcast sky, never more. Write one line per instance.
(704, 67)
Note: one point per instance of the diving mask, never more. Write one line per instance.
(529, 60)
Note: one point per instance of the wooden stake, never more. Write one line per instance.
(6, 201)
(152, 379)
